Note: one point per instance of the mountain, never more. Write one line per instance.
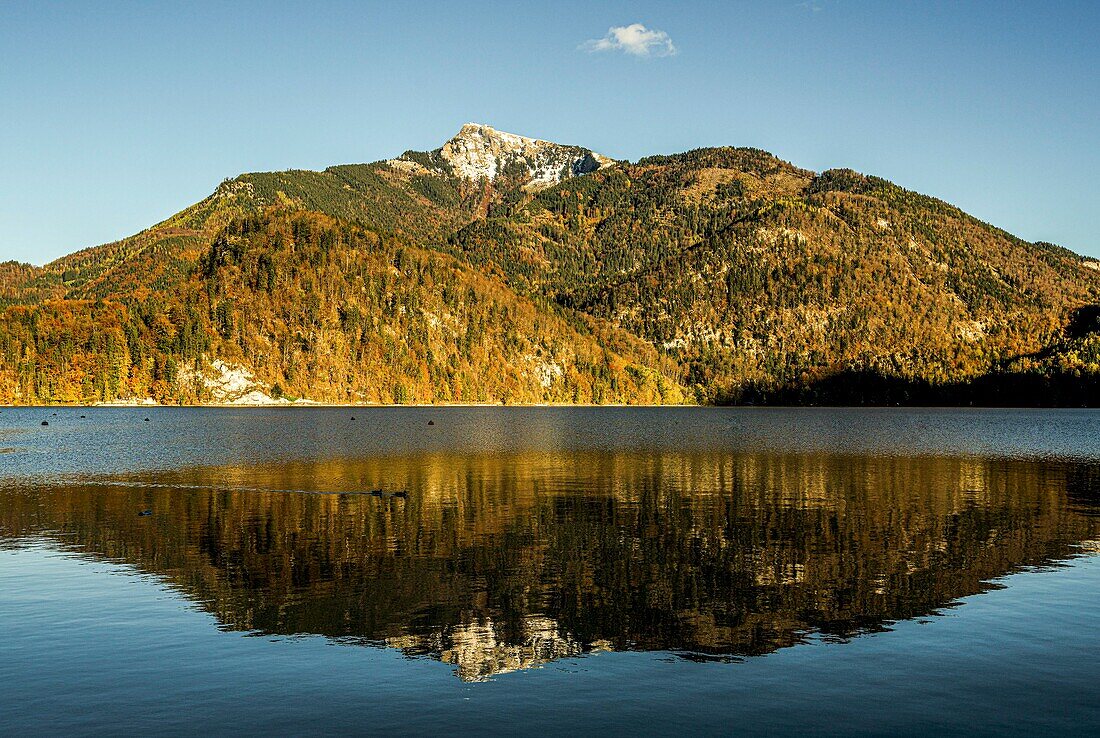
(504, 268)
(754, 273)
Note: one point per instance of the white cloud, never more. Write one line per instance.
(635, 39)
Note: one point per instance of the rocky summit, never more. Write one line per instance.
(479, 152)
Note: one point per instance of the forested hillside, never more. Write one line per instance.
(754, 274)
(317, 308)
(504, 269)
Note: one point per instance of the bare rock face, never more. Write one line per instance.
(228, 384)
(481, 152)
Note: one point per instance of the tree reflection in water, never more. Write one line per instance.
(502, 562)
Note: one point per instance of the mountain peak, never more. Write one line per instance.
(479, 132)
(479, 151)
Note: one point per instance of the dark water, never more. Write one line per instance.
(553, 571)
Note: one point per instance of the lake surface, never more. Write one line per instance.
(550, 570)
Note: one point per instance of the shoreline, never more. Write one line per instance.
(311, 404)
(443, 406)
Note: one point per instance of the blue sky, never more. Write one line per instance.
(117, 115)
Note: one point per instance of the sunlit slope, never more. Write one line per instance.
(376, 196)
(318, 308)
(422, 197)
(752, 272)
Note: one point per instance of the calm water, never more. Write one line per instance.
(551, 570)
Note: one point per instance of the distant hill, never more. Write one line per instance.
(499, 268)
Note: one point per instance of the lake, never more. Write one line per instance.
(549, 570)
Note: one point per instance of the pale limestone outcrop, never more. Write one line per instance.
(479, 151)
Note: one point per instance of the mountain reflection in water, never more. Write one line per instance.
(499, 562)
